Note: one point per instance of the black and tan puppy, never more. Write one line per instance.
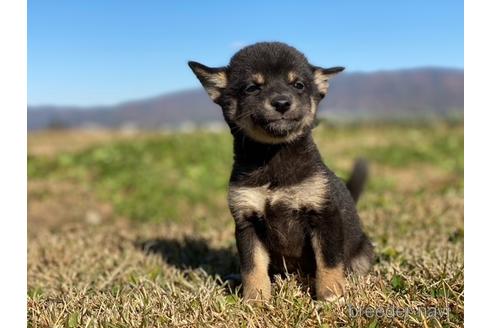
(291, 211)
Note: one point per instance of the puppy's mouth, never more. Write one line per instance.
(278, 127)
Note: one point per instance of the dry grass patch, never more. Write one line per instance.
(122, 272)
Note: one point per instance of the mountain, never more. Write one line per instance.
(410, 93)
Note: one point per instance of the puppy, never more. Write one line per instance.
(291, 212)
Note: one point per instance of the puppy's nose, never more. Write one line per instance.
(281, 103)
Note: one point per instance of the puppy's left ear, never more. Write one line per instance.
(213, 79)
(322, 75)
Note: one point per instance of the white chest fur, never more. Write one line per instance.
(309, 193)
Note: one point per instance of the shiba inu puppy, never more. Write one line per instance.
(291, 212)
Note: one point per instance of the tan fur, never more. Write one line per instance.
(291, 77)
(309, 193)
(321, 81)
(313, 106)
(244, 201)
(215, 81)
(258, 78)
(213, 93)
(330, 282)
(218, 80)
(257, 133)
(268, 105)
(256, 283)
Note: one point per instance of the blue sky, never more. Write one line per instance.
(104, 52)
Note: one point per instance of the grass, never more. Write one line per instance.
(135, 231)
(156, 178)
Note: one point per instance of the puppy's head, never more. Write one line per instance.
(269, 91)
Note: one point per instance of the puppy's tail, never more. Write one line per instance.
(358, 178)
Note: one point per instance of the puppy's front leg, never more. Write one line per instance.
(254, 260)
(330, 279)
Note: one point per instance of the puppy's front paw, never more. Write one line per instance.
(330, 284)
(257, 294)
(256, 288)
(326, 294)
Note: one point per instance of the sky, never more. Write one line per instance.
(87, 53)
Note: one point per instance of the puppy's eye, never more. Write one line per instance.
(299, 85)
(252, 88)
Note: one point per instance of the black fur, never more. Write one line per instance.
(274, 148)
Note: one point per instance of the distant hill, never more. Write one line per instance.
(411, 93)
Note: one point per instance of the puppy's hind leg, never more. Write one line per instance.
(361, 262)
(330, 278)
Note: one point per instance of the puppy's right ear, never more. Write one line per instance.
(213, 79)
